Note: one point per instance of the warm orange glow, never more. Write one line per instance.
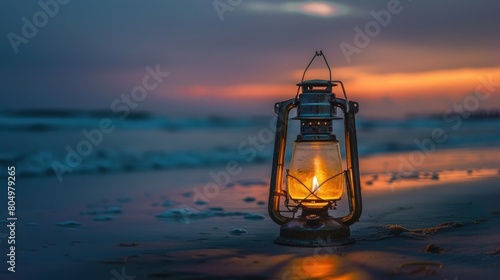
(449, 82)
(362, 83)
(322, 266)
(318, 8)
(315, 184)
(388, 172)
(311, 8)
(315, 164)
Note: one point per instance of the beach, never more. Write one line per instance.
(201, 139)
(438, 223)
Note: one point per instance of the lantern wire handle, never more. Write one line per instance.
(316, 54)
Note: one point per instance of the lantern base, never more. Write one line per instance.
(324, 232)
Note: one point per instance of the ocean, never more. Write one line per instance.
(64, 143)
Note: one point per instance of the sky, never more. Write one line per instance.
(238, 57)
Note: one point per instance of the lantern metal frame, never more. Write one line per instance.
(315, 227)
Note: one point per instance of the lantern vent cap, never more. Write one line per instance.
(317, 86)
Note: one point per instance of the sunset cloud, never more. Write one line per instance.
(311, 8)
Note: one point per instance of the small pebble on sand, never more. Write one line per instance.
(238, 231)
(249, 199)
(431, 248)
(69, 223)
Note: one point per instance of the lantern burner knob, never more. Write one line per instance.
(312, 220)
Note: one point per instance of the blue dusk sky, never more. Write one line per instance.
(238, 57)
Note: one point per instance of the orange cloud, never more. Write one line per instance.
(313, 8)
(363, 84)
(450, 82)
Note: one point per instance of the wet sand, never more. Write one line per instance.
(437, 223)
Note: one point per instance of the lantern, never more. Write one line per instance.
(302, 199)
